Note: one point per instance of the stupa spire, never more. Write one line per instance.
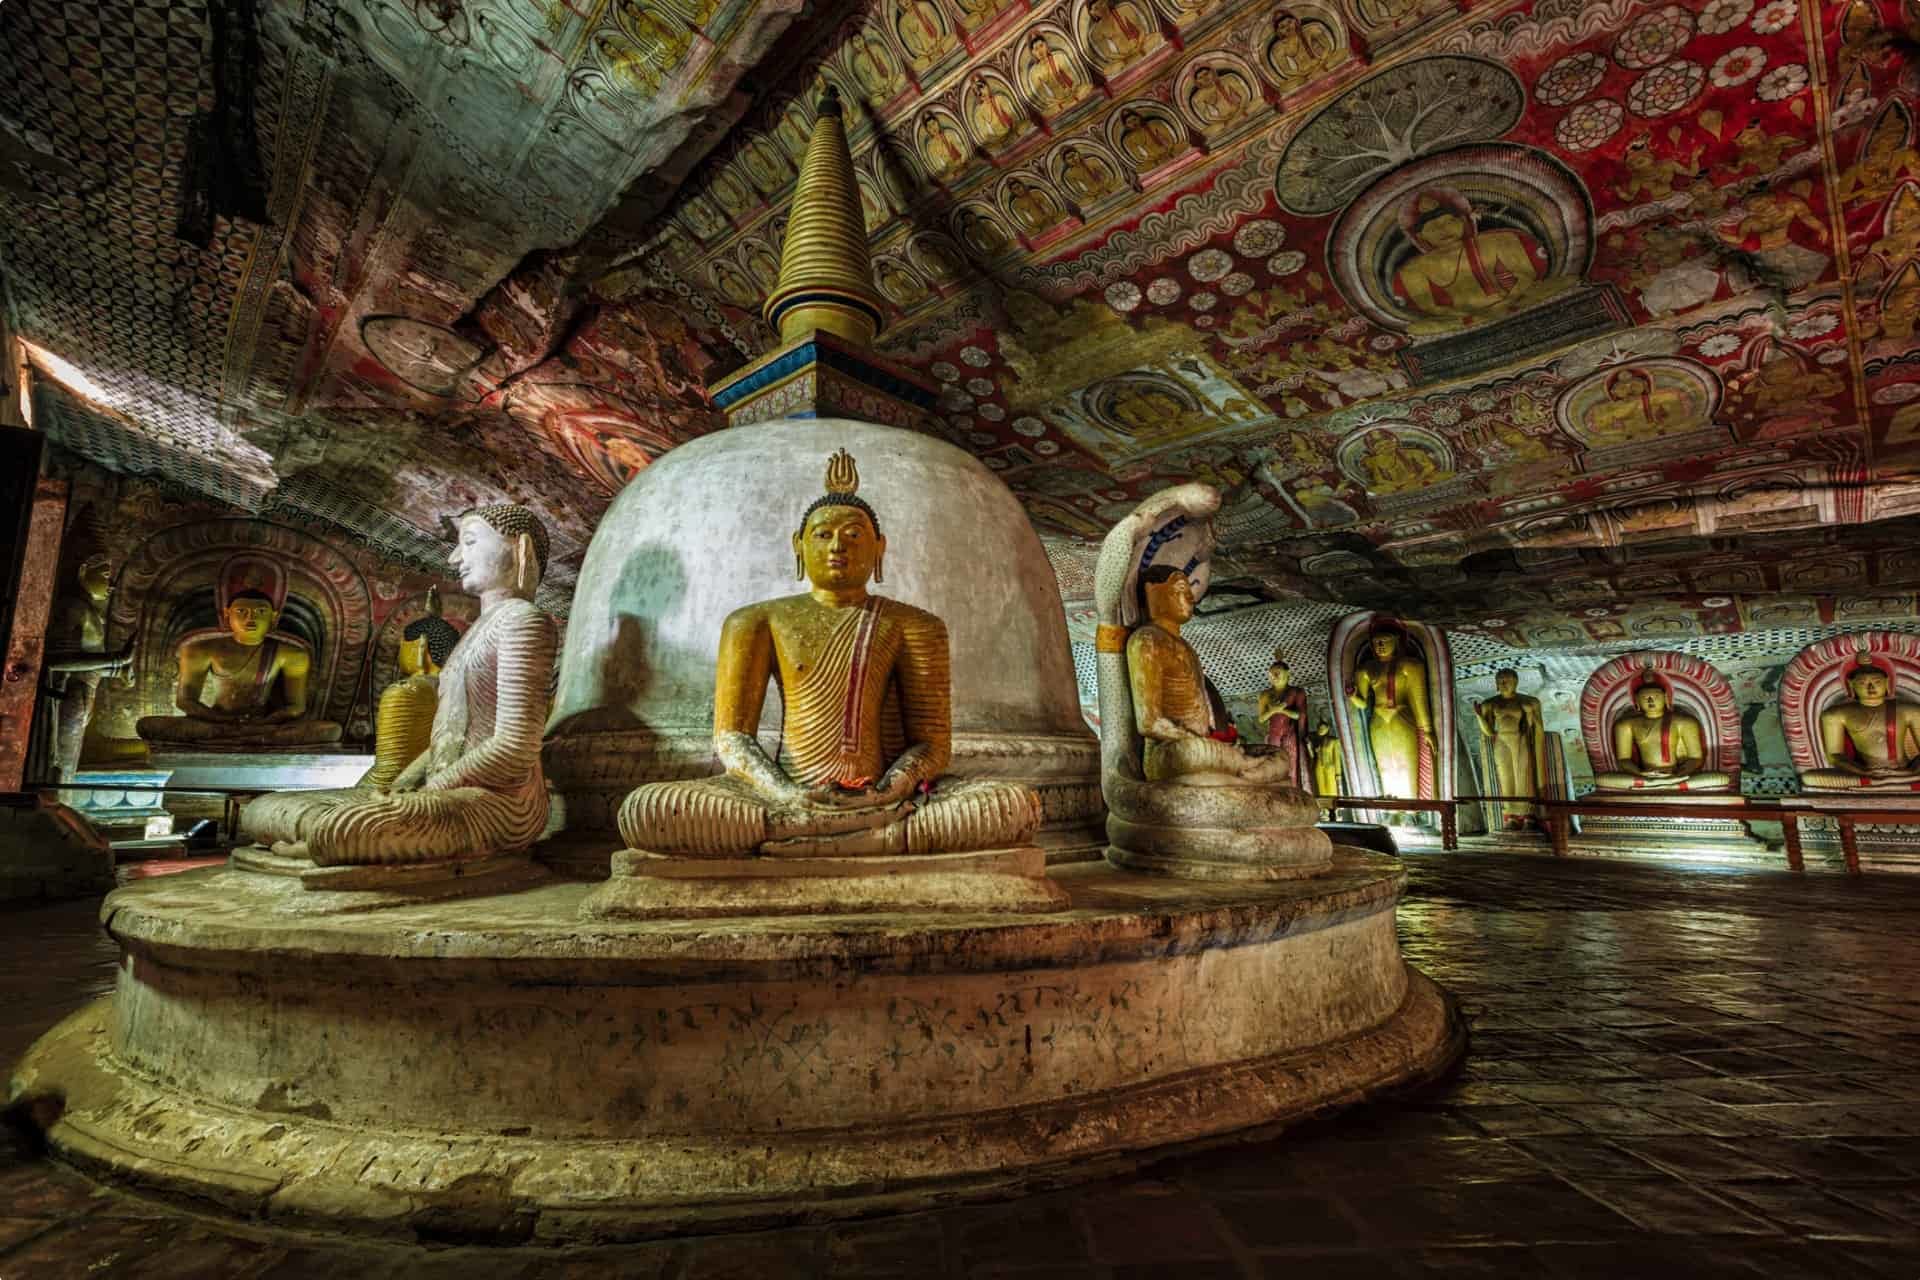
(826, 276)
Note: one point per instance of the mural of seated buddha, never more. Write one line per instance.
(244, 686)
(1460, 275)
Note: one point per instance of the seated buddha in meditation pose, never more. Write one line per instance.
(866, 728)
(244, 686)
(1658, 748)
(1871, 740)
(1170, 705)
(404, 726)
(1460, 275)
(477, 790)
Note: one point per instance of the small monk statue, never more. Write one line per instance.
(1326, 760)
(404, 726)
(477, 790)
(1283, 711)
(1391, 686)
(1657, 747)
(1511, 724)
(1170, 705)
(866, 732)
(244, 687)
(1871, 740)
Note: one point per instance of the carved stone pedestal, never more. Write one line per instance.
(368, 887)
(653, 886)
(499, 1069)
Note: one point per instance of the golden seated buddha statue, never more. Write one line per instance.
(858, 784)
(1871, 740)
(477, 790)
(1183, 798)
(243, 687)
(1657, 747)
(403, 727)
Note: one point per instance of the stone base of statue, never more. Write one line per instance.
(48, 850)
(1670, 837)
(1215, 832)
(489, 1069)
(656, 886)
(311, 889)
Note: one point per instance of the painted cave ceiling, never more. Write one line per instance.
(1565, 320)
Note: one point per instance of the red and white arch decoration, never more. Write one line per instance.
(1692, 686)
(1816, 679)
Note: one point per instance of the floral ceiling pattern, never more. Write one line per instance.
(1559, 319)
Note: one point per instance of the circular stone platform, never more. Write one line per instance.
(496, 1069)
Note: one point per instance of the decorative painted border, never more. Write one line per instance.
(1693, 686)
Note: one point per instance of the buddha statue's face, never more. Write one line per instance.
(1170, 601)
(1506, 683)
(1385, 646)
(1442, 230)
(483, 557)
(1323, 727)
(249, 619)
(413, 655)
(1652, 701)
(1279, 677)
(1869, 687)
(839, 548)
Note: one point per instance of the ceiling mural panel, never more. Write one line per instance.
(1550, 305)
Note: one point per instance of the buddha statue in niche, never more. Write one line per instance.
(1871, 740)
(477, 790)
(244, 686)
(404, 726)
(1391, 686)
(866, 730)
(1170, 704)
(1657, 747)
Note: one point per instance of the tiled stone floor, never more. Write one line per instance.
(1673, 1073)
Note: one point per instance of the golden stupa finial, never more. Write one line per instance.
(843, 475)
(826, 276)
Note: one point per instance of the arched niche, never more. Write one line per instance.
(1347, 648)
(1816, 679)
(1692, 686)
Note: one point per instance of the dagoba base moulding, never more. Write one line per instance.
(497, 1069)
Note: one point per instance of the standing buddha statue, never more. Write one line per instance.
(1283, 711)
(404, 724)
(477, 790)
(73, 670)
(1511, 725)
(243, 687)
(1326, 760)
(1391, 686)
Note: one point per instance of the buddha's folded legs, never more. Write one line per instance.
(1841, 780)
(722, 817)
(360, 826)
(1705, 780)
(1191, 760)
(189, 731)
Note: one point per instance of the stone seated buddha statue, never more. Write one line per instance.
(477, 791)
(855, 813)
(1183, 797)
(244, 687)
(403, 727)
(1658, 747)
(1871, 740)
